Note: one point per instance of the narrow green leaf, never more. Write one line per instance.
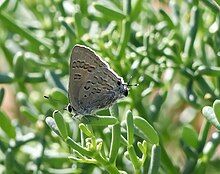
(167, 162)
(156, 105)
(167, 18)
(206, 88)
(59, 95)
(83, 4)
(134, 158)
(18, 65)
(147, 129)
(62, 171)
(85, 130)
(68, 27)
(124, 141)
(114, 111)
(2, 93)
(115, 143)
(78, 25)
(210, 71)
(154, 78)
(200, 167)
(190, 136)
(59, 4)
(61, 124)
(22, 98)
(34, 77)
(25, 139)
(127, 7)
(189, 95)
(140, 146)
(125, 36)
(214, 6)
(99, 120)
(52, 124)
(29, 114)
(218, 2)
(130, 128)
(3, 4)
(9, 161)
(216, 108)
(116, 135)
(54, 79)
(194, 23)
(7, 52)
(6, 77)
(35, 60)
(210, 147)
(12, 25)
(136, 9)
(203, 134)
(7, 127)
(209, 114)
(137, 131)
(77, 147)
(155, 160)
(110, 13)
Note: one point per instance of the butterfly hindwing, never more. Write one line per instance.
(99, 90)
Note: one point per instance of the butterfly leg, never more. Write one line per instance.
(82, 118)
(69, 108)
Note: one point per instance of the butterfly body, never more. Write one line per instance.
(92, 84)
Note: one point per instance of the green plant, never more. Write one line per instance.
(170, 48)
(92, 150)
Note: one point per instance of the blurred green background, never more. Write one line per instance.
(170, 48)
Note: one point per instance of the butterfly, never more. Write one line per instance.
(92, 84)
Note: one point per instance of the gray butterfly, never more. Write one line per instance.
(92, 84)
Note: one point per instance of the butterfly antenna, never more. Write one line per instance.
(129, 82)
(133, 84)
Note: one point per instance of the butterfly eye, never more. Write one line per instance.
(119, 83)
(126, 93)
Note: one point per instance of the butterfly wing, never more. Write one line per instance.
(83, 62)
(98, 90)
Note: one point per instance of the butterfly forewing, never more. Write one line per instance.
(92, 84)
(83, 61)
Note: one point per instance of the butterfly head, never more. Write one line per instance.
(122, 88)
